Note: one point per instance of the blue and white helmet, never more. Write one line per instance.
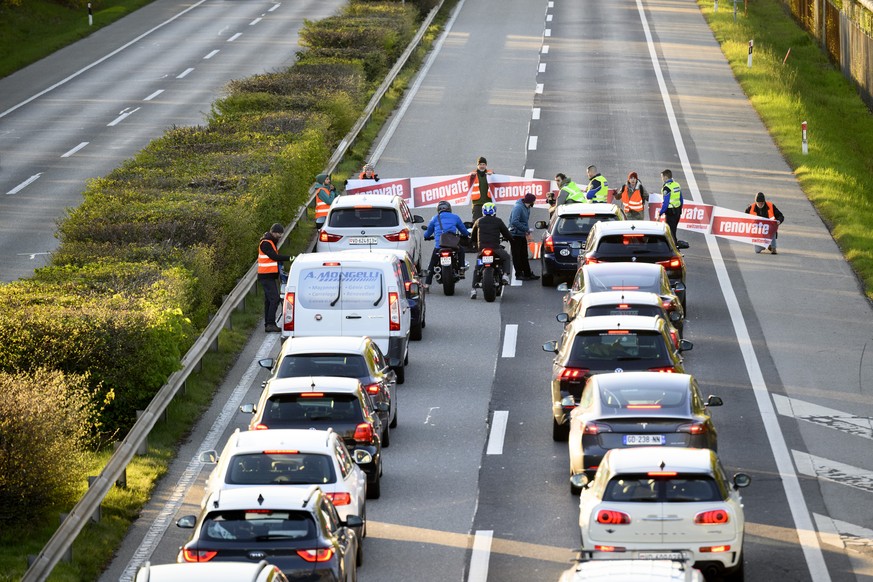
(489, 209)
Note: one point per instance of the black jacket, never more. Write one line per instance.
(487, 231)
(266, 248)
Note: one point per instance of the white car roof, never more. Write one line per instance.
(646, 459)
(375, 200)
(621, 266)
(331, 344)
(214, 572)
(634, 571)
(261, 497)
(313, 384)
(609, 322)
(341, 257)
(304, 440)
(631, 226)
(613, 297)
(588, 208)
(642, 379)
(399, 253)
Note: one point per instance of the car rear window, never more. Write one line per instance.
(580, 225)
(631, 400)
(340, 288)
(342, 365)
(312, 407)
(280, 468)
(599, 347)
(363, 218)
(643, 488)
(630, 280)
(624, 309)
(633, 244)
(261, 525)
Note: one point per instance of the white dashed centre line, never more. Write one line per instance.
(545, 50)
(212, 54)
(509, 340)
(153, 95)
(24, 184)
(548, 17)
(234, 37)
(542, 68)
(536, 113)
(498, 432)
(185, 73)
(539, 89)
(548, 32)
(274, 7)
(532, 142)
(255, 21)
(481, 556)
(529, 173)
(124, 115)
(75, 149)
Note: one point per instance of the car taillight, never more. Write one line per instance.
(340, 498)
(591, 261)
(609, 549)
(714, 516)
(364, 433)
(673, 263)
(288, 313)
(393, 311)
(595, 428)
(612, 517)
(664, 370)
(401, 236)
(715, 549)
(573, 374)
(407, 285)
(373, 388)
(661, 474)
(317, 555)
(675, 337)
(549, 244)
(260, 426)
(197, 555)
(327, 237)
(692, 428)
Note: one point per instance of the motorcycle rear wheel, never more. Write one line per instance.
(489, 291)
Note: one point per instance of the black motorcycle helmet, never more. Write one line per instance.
(443, 206)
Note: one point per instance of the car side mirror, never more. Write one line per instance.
(681, 244)
(563, 288)
(362, 457)
(266, 363)
(247, 408)
(187, 522)
(685, 345)
(209, 457)
(580, 481)
(417, 219)
(541, 224)
(568, 402)
(551, 346)
(563, 318)
(319, 222)
(354, 521)
(741, 480)
(414, 289)
(714, 400)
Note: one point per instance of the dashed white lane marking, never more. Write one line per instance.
(275, 6)
(192, 470)
(532, 142)
(548, 32)
(842, 534)
(861, 426)
(803, 525)
(551, 4)
(75, 149)
(234, 37)
(185, 73)
(536, 113)
(833, 471)
(24, 184)
(539, 89)
(548, 17)
(255, 21)
(212, 54)
(509, 340)
(153, 95)
(545, 50)
(529, 173)
(481, 556)
(498, 432)
(124, 115)
(542, 68)
(428, 419)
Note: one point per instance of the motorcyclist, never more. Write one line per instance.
(443, 221)
(487, 233)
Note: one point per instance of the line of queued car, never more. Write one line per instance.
(654, 500)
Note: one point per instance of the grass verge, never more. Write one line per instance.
(835, 173)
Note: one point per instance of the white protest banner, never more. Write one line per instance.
(723, 222)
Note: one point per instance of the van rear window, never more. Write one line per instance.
(341, 288)
(363, 218)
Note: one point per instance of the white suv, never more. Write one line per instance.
(362, 221)
(291, 458)
(665, 504)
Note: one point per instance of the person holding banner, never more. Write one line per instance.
(325, 194)
(480, 188)
(368, 172)
(634, 197)
(764, 209)
(519, 228)
(671, 207)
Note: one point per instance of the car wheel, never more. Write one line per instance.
(406, 358)
(575, 490)
(359, 558)
(400, 374)
(739, 573)
(415, 331)
(386, 438)
(548, 280)
(393, 420)
(560, 432)
(374, 488)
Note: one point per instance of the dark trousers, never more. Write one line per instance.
(671, 217)
(518, 245)
(477, 212)
(271, 299)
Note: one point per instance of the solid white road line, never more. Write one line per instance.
(185, 73)
(481, 556)
(24, 184)
(532, 142)
(212, 54)
(124, 115)
(509, 340)
(234, 37)
(842, 534)
(797, 504)
(75, 149)
(153, 95)
(833, 471)
(498, 432)
(861, 426)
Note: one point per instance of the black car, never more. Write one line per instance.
(565, 236)
(638, 409)
(297, 530)
(325, 402)
(639, 241)
(602, 344)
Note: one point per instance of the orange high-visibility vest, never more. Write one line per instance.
(474, 180)
(632, 203)
(265, 263)
(769, 205)
(321, 207)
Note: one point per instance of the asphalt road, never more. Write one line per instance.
(783, 339)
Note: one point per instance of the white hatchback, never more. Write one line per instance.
(215, 572)
(366, 221)
(665, 504)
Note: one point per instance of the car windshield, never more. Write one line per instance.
(633, 244)
(257, 525)
(342, 365)
(630, 280)
(630, 400)
(599, 347)
(580, 226)
(363, 218)
(312, 407)
(624, 309)
(645, 488)
(280, 468)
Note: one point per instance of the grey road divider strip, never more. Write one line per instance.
(803, 523)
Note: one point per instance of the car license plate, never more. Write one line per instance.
(661, 556)
(362, 240)
(487, 260)
(643, 439)
(445, 260)
(625, 312)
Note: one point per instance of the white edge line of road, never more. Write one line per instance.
(100, 60)
(803, 524)
(499, 421)
(481, 556)
(159, 526)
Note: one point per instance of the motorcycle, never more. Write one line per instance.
(449, 269)
(489, 273)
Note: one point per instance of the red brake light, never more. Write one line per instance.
(674, 263)
(618, 332)
(622, 306)
(661, 473)
(445, 253)
(311, 394)
(595, 428)
(340, 498)
(407, 284)
(716, 549)
(586, 214)
(278, 452)
(549, 244)
(363, 206)
(197, 555)
(261, 426)
(364, 433)
(591, 261)
(664, 370)
(393, 311)
(608, 549)
(318, 555)
(373, 388)
(487, 252)
(625, 287)
(288, 313)
(692, 428)
(643, 406)
(573, 374)
(612, 517)
(715, 516)
(401, 236)
(324, 236)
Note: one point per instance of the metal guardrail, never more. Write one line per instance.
(62, 540)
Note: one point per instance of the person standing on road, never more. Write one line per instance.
(519, 227)
(269, 261)
(481, 189)
(765, 209)
(597, 190)
(634, 197)
(671, 207)
(487, 233)
(325, 193)
(568, 190)
(368, 172)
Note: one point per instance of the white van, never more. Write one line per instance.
(350, 294)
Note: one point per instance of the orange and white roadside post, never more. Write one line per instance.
(804, 143)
